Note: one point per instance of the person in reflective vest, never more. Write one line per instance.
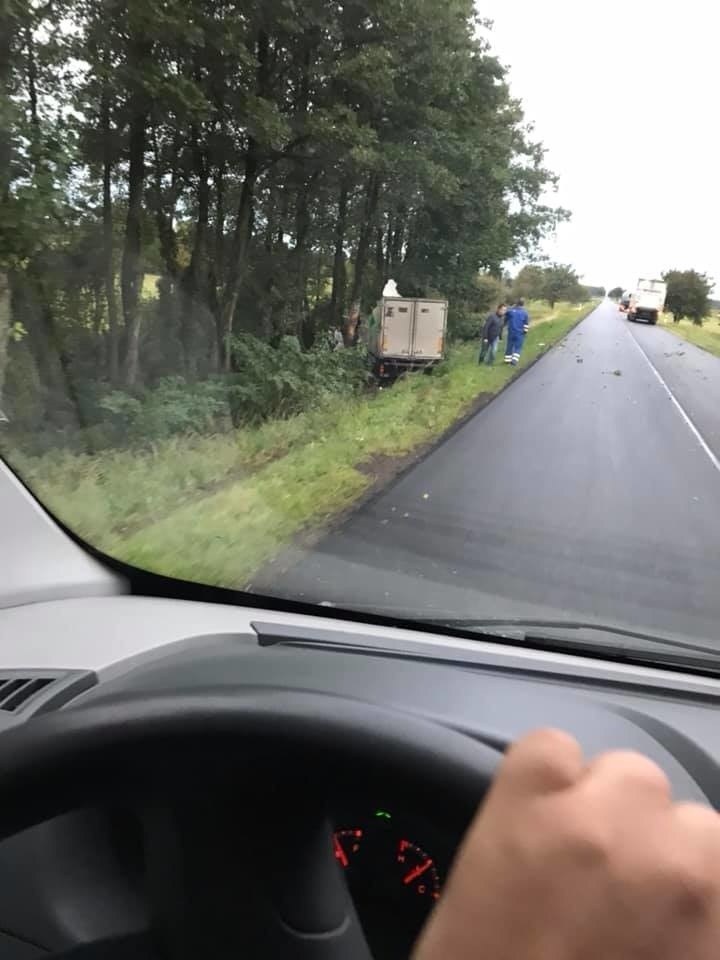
(517, 321)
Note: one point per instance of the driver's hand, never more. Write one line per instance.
(570, 860)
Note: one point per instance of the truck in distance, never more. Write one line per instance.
(647, 301)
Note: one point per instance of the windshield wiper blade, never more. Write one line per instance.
(532, 630)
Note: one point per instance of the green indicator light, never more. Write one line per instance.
(383, 814)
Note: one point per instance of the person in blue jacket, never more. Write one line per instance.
(517, 322)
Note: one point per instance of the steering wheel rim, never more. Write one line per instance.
(56, 761)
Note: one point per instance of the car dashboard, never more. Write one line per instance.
(79, 878)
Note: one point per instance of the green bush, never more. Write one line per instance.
(464, 325)
(172, 407)
(284, 380)
(267, 382)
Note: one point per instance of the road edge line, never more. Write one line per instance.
(678, 406)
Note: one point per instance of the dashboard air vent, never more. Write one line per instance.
(15, 691)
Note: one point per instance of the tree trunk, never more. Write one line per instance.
(395, 240)
(165, 211)
(219, 182)
(195, 278)
(31, 66)
(6, 22)
(216, 266)
(5, 323)
(339, 281)
(300, 265)
(241, 243)
(113, 352)
(245, 215)
(132, 268)
(361, 258)
(380, 255)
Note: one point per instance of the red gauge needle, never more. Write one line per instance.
(417, 871)
(340, 853)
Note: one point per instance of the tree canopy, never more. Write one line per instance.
(553, 283)
(174, 174)
(688, 295)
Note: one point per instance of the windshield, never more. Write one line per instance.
(327, 302)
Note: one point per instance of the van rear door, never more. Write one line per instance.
(396, 328)
(429, 333)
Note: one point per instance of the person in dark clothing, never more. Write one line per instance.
(491, 333)
(518, 321)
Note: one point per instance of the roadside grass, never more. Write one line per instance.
(707, 336)
(540, 311)
(215, 509)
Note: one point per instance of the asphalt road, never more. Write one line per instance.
(581, 492)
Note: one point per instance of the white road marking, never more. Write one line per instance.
(678, 406)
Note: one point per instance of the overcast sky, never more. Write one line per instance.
(624, 94)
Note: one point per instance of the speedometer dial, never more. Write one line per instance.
(394, 879)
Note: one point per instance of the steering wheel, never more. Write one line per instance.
(232, 790)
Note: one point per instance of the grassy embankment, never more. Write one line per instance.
(216, 508)
(707, 336)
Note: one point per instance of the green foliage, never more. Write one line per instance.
(182, 506)
(282, 381)
(688, 294)
(464, 324)
(616, 293)
(529, 283)
(560, 282)
(267, 382)
(491, 291)
(172, 407)
(466, 316)
(271, 164)
(553, 283)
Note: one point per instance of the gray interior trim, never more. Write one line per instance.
(109, 635)
(38, 561)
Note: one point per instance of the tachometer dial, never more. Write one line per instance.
(417, 870)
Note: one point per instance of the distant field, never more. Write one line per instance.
(216, 508)
(707, 336)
